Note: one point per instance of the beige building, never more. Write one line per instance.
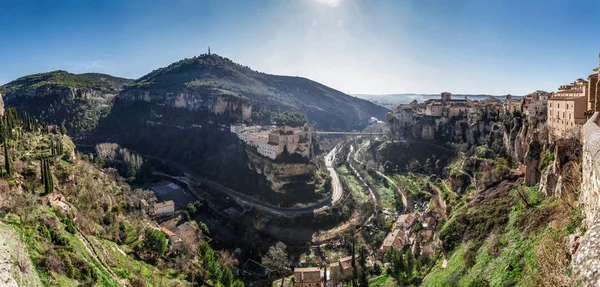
(342, 270)
(307, 277)
(273, 141)
(566, 109)
(164, 208)
(395, 239)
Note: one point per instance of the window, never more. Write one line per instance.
(569, 116)
(558, 106)
(563, 115)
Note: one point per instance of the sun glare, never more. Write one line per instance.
(330, 3)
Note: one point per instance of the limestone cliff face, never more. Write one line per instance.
(237, 107)
(278, 173)
(456, 130)
(99, 95)
(525, 141)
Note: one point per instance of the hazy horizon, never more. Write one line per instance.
(355, 46)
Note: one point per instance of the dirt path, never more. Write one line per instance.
(397, 188)
(90, 250)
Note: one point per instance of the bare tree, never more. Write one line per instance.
(276, 260)
(107, 150)
(226, 259)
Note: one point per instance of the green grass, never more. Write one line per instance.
(356, 188)
(412, 183)
(387, 195)
(514, 263)
(383, 281)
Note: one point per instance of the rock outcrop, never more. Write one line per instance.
(235, 106)
(279, 174)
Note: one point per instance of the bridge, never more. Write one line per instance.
(349, 133)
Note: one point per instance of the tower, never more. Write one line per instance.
(209, 51)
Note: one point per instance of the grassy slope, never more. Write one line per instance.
(38, 245)
(514, 254)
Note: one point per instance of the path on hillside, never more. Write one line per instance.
(397, 188)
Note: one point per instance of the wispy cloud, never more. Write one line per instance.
(85, 65)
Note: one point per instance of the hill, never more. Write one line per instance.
(189, 82)
(79, 100)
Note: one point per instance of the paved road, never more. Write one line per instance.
(194, 180)
(337, 191)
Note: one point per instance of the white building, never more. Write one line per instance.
(164, 208)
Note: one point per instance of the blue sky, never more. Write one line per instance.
(356, 46)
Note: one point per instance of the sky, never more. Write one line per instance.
(355, 46)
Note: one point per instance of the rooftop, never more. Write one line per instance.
(164, 204)
(308, 274)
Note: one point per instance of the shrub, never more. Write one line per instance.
(69, 226)
(479, 283)
(155, 242)
(470, 257)
(546, 158)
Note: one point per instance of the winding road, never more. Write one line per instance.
(336, 186)
(193, 180)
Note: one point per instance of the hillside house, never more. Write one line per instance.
(342, 270)
(307, 277)
(395, 239)
(164, 208)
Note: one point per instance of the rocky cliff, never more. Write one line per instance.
(235, 107)
(282, 175)
(443, 129)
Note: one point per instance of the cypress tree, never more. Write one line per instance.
(7, 160)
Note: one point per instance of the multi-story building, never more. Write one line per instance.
(566, 109)
(273, 141)
(535, 105)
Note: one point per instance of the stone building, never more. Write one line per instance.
(342, 270)
(307, 277)
(164, 208)
(566, 109)
(395, 239)
(272, 141)
(535, 105)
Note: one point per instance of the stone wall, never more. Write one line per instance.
(586, 259)
(589, 199)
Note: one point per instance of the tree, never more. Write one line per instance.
(362, 260)
(237, 283)
(63, 129)
(354, 269)
(276, 259)
(226, 277)
(155, 242)
(7, 161)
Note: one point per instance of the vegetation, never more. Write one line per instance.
(89, 233)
